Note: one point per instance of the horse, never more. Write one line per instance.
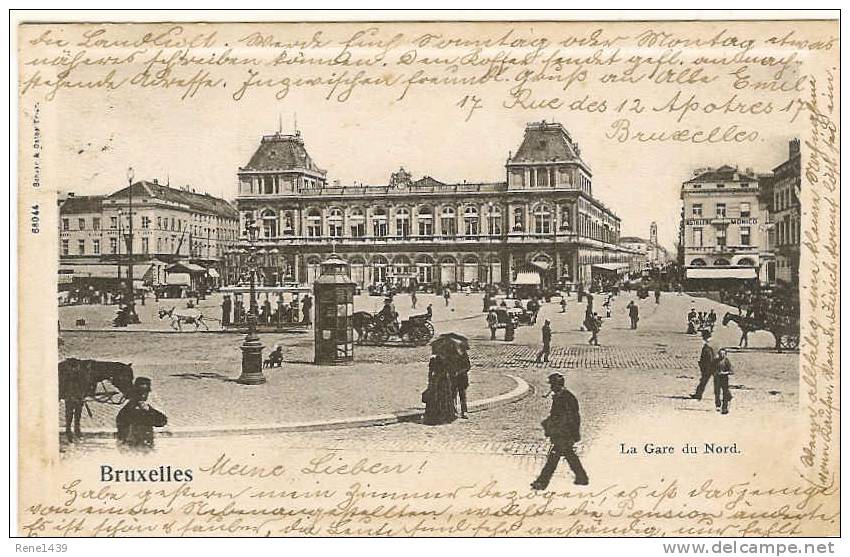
(360, 322)
(750, 325)
(188, 316)
(78, 380)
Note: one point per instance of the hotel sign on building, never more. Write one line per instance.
(542, 218)
(724, 234)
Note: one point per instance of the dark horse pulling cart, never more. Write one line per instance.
(83, 380)
(417, 330)
(785, 330)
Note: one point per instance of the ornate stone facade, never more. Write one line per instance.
(542, 217)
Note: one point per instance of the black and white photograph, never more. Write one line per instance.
(429, 277)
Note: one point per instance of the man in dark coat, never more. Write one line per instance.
(707, 363)
(547, 342)
(633, 314)
(562, 427)
(226, 307)
(136, 420)
(306, 310)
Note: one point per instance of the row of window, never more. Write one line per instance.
(198, 249)
(720, 186)
(543, 222)
(787, 231)
(161, 224)
(782, 199)
(720, 210)
(720, 236)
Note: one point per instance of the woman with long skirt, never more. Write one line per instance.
(439, 403)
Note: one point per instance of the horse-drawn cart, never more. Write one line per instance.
(417, 330)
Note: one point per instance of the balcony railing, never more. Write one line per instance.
(513, 237)
(722, 249)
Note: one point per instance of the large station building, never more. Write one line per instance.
(540, 225)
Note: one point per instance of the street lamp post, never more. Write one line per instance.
(252, 348)
(490, 230)
(131, 302)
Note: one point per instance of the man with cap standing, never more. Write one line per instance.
(562, 427)
(135, 422)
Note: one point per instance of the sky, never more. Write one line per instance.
(91, 139)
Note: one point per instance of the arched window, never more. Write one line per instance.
(314, 223)
(746, 262)
(379, 269)
(402, 222)
(698, 262)
(470, 221)
(543, 219)
(721, 262)
(448, 223)
(494, 219)
(425, 221)
(335, 223)
(379, 223)
(269, 223)
(470, 269)
(425, 269)
(358, 223)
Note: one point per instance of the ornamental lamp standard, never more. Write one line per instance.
(131, 299)
(252, 348)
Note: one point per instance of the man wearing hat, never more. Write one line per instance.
(562, 428)
(135, 422)
(707, 363)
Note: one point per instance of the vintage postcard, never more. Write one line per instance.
(536, 278)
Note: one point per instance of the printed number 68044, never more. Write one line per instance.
(35, 220)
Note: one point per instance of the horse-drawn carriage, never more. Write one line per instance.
(379, 328)
(776, 311)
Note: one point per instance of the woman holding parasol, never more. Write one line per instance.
(448, 354)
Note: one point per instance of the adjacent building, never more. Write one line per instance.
(542, 224)
(780, 195)
(724, 233)
(170, 225)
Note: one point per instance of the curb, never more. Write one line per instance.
(520, 391)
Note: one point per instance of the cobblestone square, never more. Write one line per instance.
(648, 372)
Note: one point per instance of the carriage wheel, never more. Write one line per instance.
(789, 342)
(379, 335)
(420, 336)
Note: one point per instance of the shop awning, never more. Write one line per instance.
(102, 271)
(612, 267)
(745, 273)
(527, 278)
(185, 268)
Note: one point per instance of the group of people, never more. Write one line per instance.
(234, 312)
(701, 321)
